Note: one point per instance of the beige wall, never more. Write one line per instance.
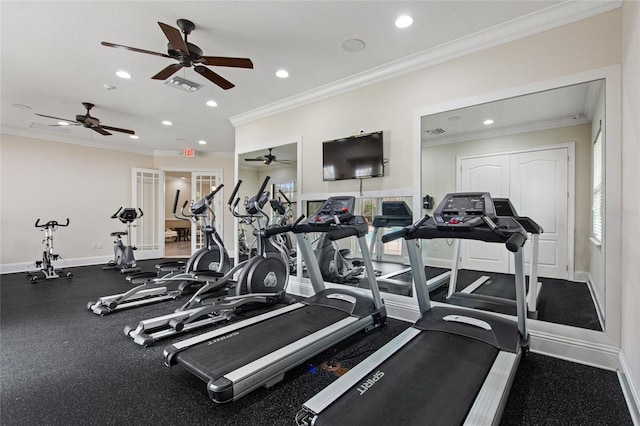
(53, 181)
(630, 311)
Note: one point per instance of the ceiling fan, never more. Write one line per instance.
(189, 55)
(90, 122)
(268, 159)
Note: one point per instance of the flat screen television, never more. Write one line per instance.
(355, 157)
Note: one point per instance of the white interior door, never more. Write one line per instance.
(202, 184)
(539, 189)
(536, 182)
(484, 174)
(147, 194)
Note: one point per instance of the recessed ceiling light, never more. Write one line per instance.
(353, 45)
(282, 73)
(212, 103)
(487, 122)
(183, 178)
(167, 123)
(404, 21)
(123, 74)
(21, 106)
(202, 142)
(63, 123)
(454, 118)
(109, 86)
(134, 137)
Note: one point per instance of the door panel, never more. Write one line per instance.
(148, 194)
(536, 182)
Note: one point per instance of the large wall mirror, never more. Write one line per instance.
(280, 163)
(546, 148)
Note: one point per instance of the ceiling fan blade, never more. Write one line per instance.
(101, 131)
(174, 37)
(212, 76)
(254, 159)
(116, 129)
(221, 61)
(57, 118)
(167, 72)
(134, 49)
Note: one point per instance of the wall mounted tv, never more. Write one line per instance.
(355, 157)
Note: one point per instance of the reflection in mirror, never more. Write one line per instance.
(541, 151)
(280, 164)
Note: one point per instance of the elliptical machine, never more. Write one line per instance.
(262, 279)
(48, 256)
(334, 266)
(151, 287)
(282, 215)
(123, 257)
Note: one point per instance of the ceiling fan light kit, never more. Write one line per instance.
(188, 55)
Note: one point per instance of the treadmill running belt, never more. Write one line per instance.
(217, 357)
(434, 380)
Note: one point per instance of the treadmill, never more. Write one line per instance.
(236, 359)
(398, 214)
(502, 300)
(454, 365)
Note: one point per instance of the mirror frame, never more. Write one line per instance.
(589, 346)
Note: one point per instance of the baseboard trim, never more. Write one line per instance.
(12, 268)
(575, 350)
(629, 389)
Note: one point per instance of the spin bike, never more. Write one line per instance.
(123, 257)
(151, 287)
(48, 257)
(260, 280)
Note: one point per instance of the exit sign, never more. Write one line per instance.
(189, 152)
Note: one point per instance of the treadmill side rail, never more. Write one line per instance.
(172, 350)
(490, 401)
(264, 370)
(355, 375)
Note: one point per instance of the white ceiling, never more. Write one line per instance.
(52, 59)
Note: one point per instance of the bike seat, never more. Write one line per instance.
(118, 233)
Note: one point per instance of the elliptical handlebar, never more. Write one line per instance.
(52, 223)
(285, 197)
(261, 190)
(234, 193)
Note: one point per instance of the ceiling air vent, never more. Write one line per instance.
(435, 132)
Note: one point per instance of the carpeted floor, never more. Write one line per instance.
(61, 364)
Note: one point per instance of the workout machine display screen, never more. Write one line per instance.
(463, 210)
(340, 208)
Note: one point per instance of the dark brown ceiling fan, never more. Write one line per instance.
(189, 55)
(268, 159)
(90, 122)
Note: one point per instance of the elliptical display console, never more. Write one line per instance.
(464, 211)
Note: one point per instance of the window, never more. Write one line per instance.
(596, 194)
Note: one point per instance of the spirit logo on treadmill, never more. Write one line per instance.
(370, 382)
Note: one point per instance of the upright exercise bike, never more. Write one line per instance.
(152, 287)
(260, 280)
(48, 256)
(123, 257)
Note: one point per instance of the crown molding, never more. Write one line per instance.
(554, 16)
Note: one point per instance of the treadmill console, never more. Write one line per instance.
(334, 210)
(464, 211)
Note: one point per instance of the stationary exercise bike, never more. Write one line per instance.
(152, 287)
(259, 280)
(48, 256)
(124, 259)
